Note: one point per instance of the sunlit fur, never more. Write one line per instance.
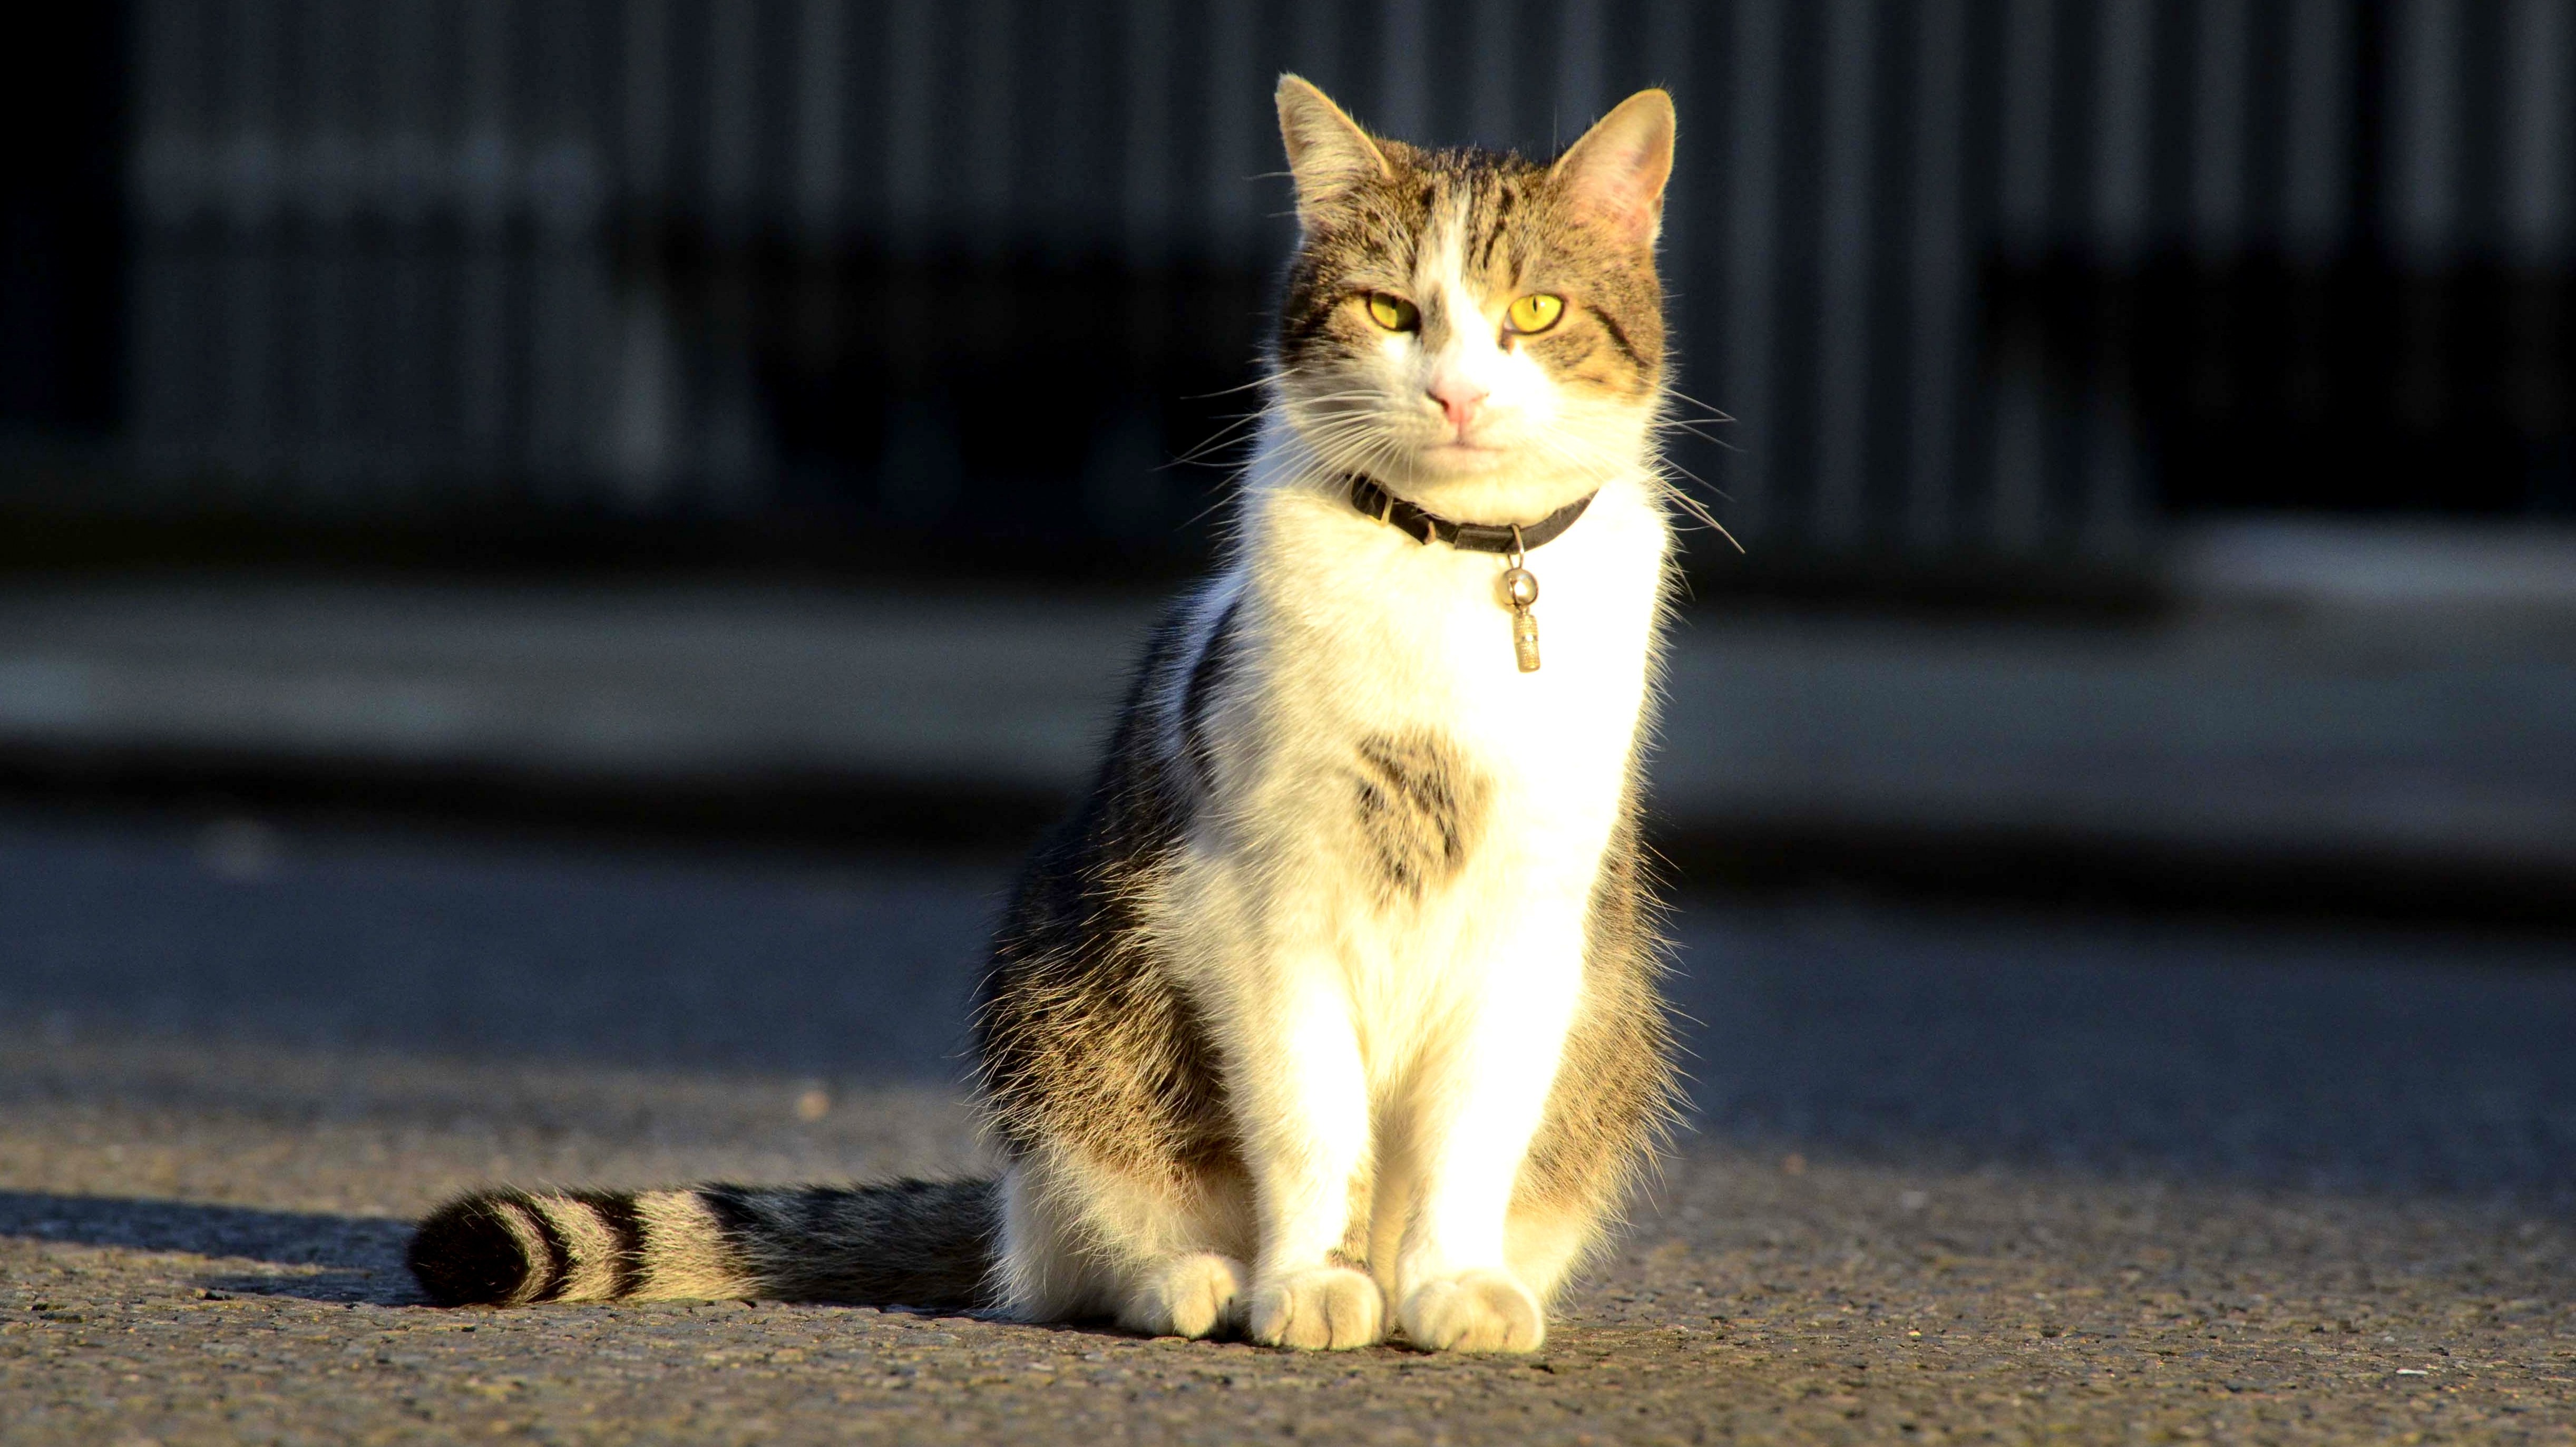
(1382, 888)
(1332, 1012)
(1462, 234)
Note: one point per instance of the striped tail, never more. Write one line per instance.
(906, 1243)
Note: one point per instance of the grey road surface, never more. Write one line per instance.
(1950, 1175)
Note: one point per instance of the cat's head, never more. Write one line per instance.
(1481, 333)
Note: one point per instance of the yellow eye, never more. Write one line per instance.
(1393, 312)
(1535, 313)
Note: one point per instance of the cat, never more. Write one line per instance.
(1334, 1010)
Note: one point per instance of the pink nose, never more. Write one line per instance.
(1460, 400)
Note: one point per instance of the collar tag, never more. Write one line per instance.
(1518, 585)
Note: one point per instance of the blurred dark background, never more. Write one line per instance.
(904, 284)
(2150, 423)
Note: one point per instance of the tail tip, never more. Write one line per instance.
(465, 1253)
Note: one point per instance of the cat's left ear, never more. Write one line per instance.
(1328, 153)
(1616, 173)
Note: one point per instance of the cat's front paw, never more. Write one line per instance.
(1322, 1307)
(1474, 1311)
(1191, 1296)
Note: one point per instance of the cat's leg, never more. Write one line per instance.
(1615, 1095)
(1479, 1093)
(1545, 1241)
(1194, 1294)
(1161, 1252)
(1300, 1101)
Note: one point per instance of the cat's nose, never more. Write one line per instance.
(1459, 400)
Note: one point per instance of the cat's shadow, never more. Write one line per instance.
(317, 1256)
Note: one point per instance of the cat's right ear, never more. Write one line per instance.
(1328, 153)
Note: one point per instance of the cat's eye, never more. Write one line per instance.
(1393, 312)
(1535, 313)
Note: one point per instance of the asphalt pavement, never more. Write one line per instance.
(1952, 1174)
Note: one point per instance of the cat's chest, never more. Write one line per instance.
(1387, 637)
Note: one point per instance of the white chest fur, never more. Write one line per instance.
(1354, 987)
(1367, 630)
(1353, 635)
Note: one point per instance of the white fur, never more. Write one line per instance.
(1415, 1043)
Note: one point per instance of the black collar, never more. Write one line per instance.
(1386, 507)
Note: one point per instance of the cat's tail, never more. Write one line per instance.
(905, 1243)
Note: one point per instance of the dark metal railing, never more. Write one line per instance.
(1975, 276)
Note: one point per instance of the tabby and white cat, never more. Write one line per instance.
(1333, 1010)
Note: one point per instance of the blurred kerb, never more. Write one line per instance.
(2431, 569)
